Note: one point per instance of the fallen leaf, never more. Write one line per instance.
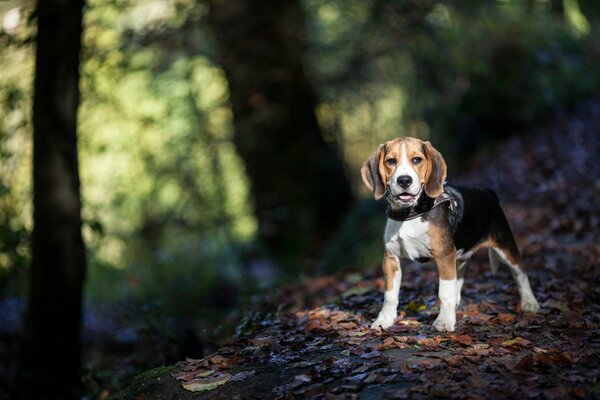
(357, 291)
(187, 376)
(525, 364)
(261, 341)
(557, 305)
(503, 319)
(428, 342)
(554, 358)
(476, 318)
(465, 340)
(454, 361)
(564, 392)
(358, 377)
(348, 325)
(372, 354)
(416, 307)
(240, 376)
(362, 368)
(207, 383)
(218, 359)
(518, 341)
(302, 379)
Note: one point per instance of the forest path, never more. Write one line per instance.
(549, 184)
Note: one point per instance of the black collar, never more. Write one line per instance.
(423, 206)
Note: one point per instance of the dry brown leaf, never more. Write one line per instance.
(455, 361)
(347, 325)
(503, 319)
(465, 340)
(526, 363)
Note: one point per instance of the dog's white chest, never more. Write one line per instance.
(408, 239)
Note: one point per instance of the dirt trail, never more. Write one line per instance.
(549, 184)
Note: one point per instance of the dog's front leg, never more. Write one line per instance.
(446, 320)
(392, 276)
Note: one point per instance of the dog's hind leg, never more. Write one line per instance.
(508, 253)
(494, 260)
(528, 301)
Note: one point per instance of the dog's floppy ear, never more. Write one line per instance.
(436, 171)
(371, 173)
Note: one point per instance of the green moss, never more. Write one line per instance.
(155, 384)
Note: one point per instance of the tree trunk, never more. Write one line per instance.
(299, 186)
(558, 8)
(591, 11)
(51, 353)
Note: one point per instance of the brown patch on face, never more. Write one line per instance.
(371, 173)
(443, 250)
(436, 171)
(390, 159)
(390, 268)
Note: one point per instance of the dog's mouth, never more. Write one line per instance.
(405, 197)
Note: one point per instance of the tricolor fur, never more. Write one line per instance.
(408, 171)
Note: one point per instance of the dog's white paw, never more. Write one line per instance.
(444, 323)
(384, 320)
(530, 305)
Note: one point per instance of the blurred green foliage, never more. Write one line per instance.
(166, 202)
(16, 59)
(508, 72)
(160, 175)
(461, 73)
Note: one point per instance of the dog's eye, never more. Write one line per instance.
(416, 160)
(390, 161)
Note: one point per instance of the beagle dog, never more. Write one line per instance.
(429, 220)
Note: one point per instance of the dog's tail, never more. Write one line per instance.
(494, 260)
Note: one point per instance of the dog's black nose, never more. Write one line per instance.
(404, 181)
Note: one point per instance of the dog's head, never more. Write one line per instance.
(405, 167)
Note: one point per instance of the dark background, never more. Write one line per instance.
(209, 153)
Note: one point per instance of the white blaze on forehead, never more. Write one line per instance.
(404, 157)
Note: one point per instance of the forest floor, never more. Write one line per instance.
(549, 184)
